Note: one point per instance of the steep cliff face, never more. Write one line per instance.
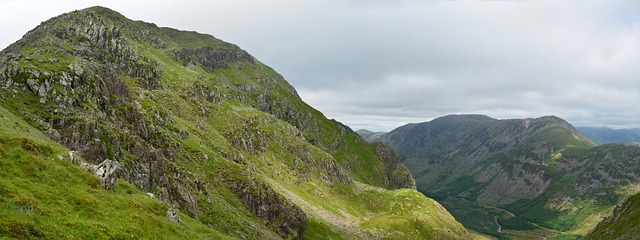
(200, 124)
(397, 174)
(540, 169)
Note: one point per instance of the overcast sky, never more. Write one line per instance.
(380, 64)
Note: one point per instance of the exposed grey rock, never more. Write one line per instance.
(172, 214)
(74, 158)
(212, 59)
(33, 85)
(278, 213)
(105, 172)
(398, 176)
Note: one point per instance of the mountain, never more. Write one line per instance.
(622, 224)
(135, 127)
(603, 135)
(519, 174)
(369, 135)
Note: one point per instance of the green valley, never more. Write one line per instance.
(526, 177)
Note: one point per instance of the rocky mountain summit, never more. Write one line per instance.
(221, 139)
(542, 171)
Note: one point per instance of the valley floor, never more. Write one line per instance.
(488, 222)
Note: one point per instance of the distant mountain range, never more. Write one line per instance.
(599, 135)
(527, 175)
(602, 135)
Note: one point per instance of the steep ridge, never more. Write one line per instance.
(542, 171)
(210, 130)
(622, 224)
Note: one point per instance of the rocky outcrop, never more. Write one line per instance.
(106, 171)
(276, 212)
(211, 58)
(91, 109)
(398, 176)
(172, 214)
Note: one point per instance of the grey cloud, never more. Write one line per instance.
(381, 64)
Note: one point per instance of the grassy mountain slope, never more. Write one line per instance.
(42, 195)
(541, 171)
(210, 131)
(623, 224)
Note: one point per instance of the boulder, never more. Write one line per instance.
(105, 171)
(172, 214)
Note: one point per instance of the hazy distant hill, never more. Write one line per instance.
(602, 135)
(369, 135)
(542, 170)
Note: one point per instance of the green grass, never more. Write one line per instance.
(317, 229)
(483, 219)
(42, 195)
(623, 224)
(363, 211)
(463, 183)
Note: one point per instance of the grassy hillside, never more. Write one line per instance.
(42, 195)
(210, 131)
(622, 224)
